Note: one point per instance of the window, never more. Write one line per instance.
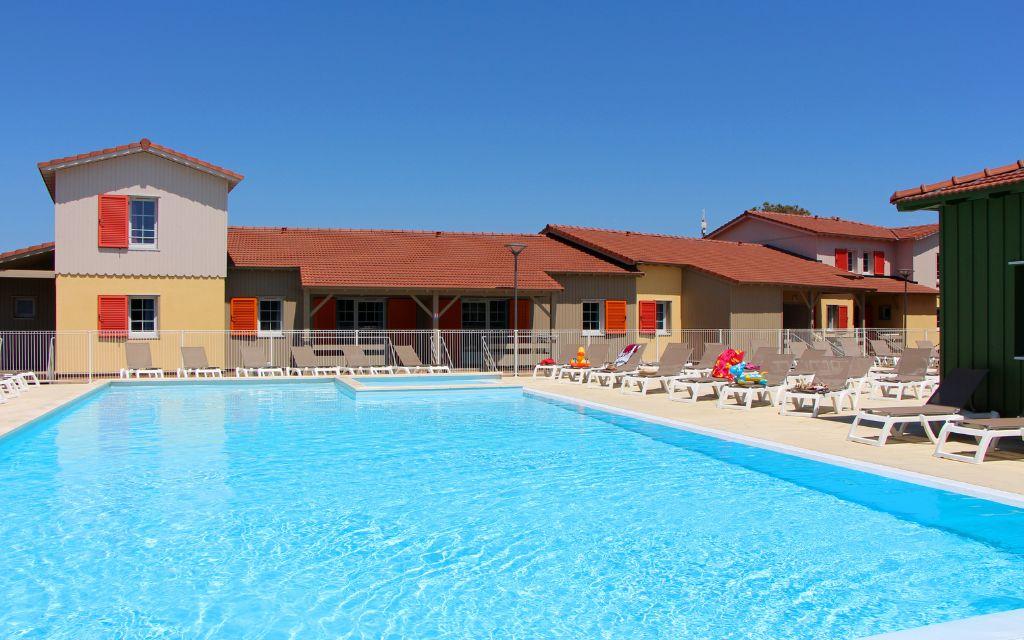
(885, 312)
(352, 314)
(485, 314)
(142, 224)
(833, 316)
(865, 263)
(661, 317)
(271, 316)
(142, 317)
(25, 308)
(593, 317)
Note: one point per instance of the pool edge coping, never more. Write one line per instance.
(1004, 625)
(934, 482)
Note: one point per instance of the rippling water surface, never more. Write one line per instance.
(283, 510)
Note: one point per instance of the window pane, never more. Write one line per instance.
(591, 316)
(474, 314)
(371, 314)
(24, 307)
(271, 315)
(142, 315)
(499, 314)
(345, 313)
(661, 310)
(142, 223)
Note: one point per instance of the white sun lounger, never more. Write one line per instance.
(551, 370)
(597, 355)
(985, 431)
(139, 361)
(670, 367)
(357, 362)
(256, 362)
(834, 375)
(305, 361)
(775, 371)
(194, 363)
(610, 375)
(409, 361)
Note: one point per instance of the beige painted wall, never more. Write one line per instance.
(577, 288)
(707, 301)
(266, 283)
(191, 218)
(662, 284)
(756, 307)
(194, 304)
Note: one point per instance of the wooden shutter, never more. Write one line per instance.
(112, 315)
(844, 317)
(648, 312)
(326, 317)
(842, 259)
(401, 314)
(523, 317)
(879, 263)
(615, 316)
(244, 315)
(113, 221)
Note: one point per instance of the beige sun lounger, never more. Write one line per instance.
(139, 361)
(911, 373)
(610, 375)
(944, 405)
(707, 360)
(834, 374)
(775, 371)
(194, 363)
(985, 430)
(357, 362)
(256, 362)
(409, 361)
(597, 355)
(670, 367)
(305, 360)
(850, 347)
(562, 357)
(884, 355)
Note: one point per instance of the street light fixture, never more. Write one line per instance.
(516, 248)
(905, 274)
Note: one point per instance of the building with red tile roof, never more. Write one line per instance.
(998, 178)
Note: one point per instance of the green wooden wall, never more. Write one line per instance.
(983, 297)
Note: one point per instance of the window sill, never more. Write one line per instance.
(147, 335)
(270, 334)
(663, 333)
(592, 334)
(143, 247)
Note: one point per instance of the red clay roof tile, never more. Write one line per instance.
(834, 226)
(24, 251)
(47, 168)
(420, 260)
(737, 262)
(984, 179)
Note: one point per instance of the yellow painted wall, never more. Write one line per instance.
(661, 283)
(194, 304)
(840, 299)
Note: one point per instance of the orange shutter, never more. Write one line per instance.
(879, 263)
(842, 259)
(113, 221)
(522, 318)
(648, 316)
(244, 312)
(615, 316)
(401, 314)
(112, 315)
(326, 317)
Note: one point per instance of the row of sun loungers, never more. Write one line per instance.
(255, 363)
(14, 385)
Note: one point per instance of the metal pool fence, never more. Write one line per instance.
(82, 356)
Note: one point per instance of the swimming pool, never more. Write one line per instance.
(241, 510)
(422, 380)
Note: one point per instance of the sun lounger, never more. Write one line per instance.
(305, 361)
(551, 370)
(255, 362)
(706, 363)
(357, 362)
(194, 362)
(597, 355)
(884, 355)
(944, 405)
(806, 364)
(8, 390)
(23, 380)
(797, 348)
(611, 374)
(690, 389)
(850, 347)
(985, 430)
(832, 377)
(139, 361)
(409, 361)
(859, 378)
(775, 371)
(911, 373)
(670, 367)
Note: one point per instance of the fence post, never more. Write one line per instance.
(721, 337)
(515, 352)
(88, 337)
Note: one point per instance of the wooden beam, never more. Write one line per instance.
(425, 308)
(327, 298)
(27, 273)
(445, 310)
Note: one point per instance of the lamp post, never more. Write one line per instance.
(905, 274)
(516, 248)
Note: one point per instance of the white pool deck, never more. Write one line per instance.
(1000, 477)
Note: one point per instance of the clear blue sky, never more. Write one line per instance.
(489, 116)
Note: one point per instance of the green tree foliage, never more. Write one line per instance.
(784, 208)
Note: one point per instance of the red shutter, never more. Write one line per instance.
(244, 312)
(113, 221)
(452, 319)
(326, 317)
(112, 315)
(401, 314)
(524, 316)
(844, 317)
(615, 316)
(879, 263)
(842, 259)
(648, 311)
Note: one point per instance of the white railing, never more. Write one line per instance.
(81, 356)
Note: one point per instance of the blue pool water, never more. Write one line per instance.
(281, 510)
(420, 380)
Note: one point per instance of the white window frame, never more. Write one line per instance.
(355, 313)
(141, 246)
(14, 307)
(867, 263)
(665, 306)
(600, 318)
(268, 333)
(145, 335)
